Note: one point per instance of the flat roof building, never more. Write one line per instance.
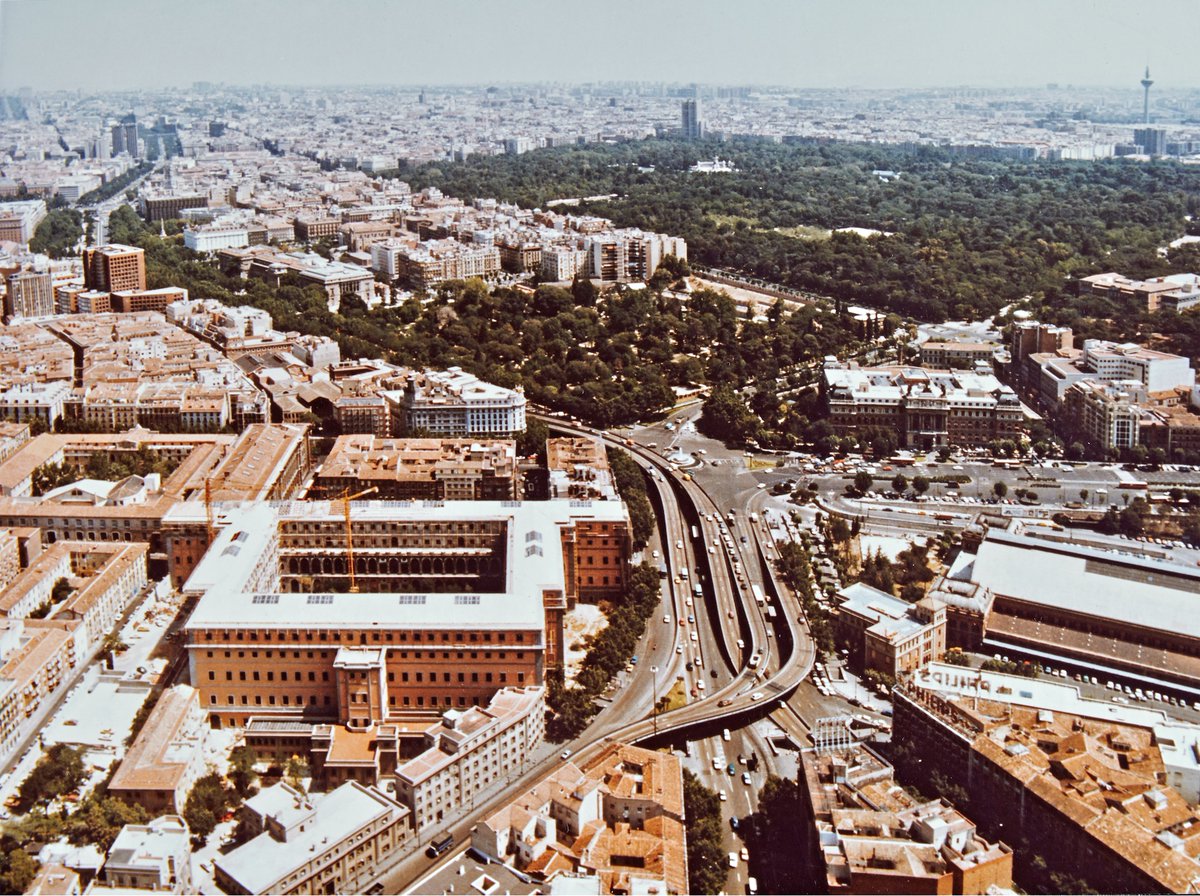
(315, 843)
(437, 584)
(956, 355)
(923, 408)
(453, 402)
(579, 468)
(469, 750)
(114, 267)
(1121, 615)
(30, 294)
(152, 856)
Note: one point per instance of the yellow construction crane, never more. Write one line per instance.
(346, 498)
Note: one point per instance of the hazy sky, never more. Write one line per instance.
(830, 43)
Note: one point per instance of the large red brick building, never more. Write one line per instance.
(450, 602)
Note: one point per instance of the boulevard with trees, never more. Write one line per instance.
(58, 234)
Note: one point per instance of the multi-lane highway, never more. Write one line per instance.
(751, 681)
(757, 685)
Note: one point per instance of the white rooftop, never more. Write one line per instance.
(1039, 693)
(260, 863)
(228, 571)
(1137, 591)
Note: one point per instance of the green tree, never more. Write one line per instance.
(1000, 489)
(20, 870)
(839, 531)
(50, 476)
(705, 856)
(100, 817)
(779, 831)
(726, 416)
(60, 771)
(241, 770)
(900, 483)
(878, 572)
(862, 482)
(956, 657)
(1110, 523)
(1130, 522)
(533, 440)
(204, 807)
(58, 234)
(920, 484)
(631, 483)
(295, 770)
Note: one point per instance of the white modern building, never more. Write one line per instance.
(453, 402)
(1156, 371)
(153, 856)
(319, 843)
(36, 401)
(470, 750)
(211, 239)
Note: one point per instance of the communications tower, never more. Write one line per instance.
(1146, 84)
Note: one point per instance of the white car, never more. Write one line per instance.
(756, 696)
(721, 793)
(565, 754)
(733, 860)
(666, 620)
(679, 648)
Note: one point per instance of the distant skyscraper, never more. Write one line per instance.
(692, 118)
(1146, 84)
(125, 136)
(1153, 141)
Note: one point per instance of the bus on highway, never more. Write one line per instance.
(759, 597)
(695, 533)
(697, 591)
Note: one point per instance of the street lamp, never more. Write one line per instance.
(654, 706)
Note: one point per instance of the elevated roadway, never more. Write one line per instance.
(753, 692)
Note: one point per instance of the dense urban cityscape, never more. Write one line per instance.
(598, 486)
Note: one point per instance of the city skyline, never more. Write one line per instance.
(866, 45)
